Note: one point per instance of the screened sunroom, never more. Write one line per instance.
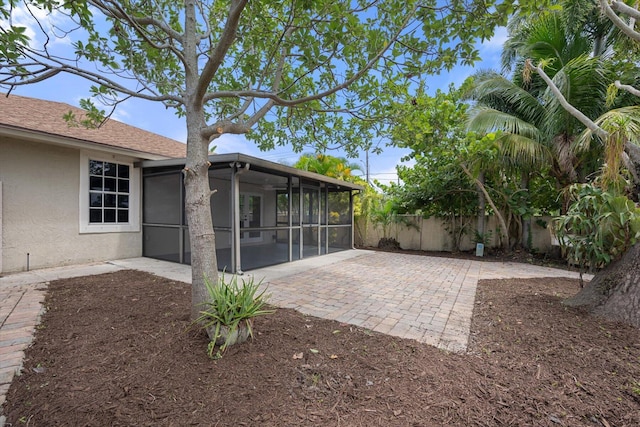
(263, 213)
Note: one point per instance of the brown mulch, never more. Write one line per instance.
(552, 259)
(116, 350)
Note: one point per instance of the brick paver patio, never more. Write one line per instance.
(20, 309)
(429, 299)
(406, 296)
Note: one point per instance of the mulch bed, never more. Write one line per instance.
(490, 255)
(116, 350)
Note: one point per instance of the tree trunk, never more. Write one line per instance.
(503, 224)
(614, 292)
(204, 264)
(632, 162)
(197, 203)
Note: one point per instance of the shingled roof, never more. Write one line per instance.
(46, 117)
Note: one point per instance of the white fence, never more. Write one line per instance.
(432, 234)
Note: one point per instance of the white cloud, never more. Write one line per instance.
(230, 143)
(41, 26)
(496, 42)
(120, 114)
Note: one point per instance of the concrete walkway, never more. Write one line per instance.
(429, 299)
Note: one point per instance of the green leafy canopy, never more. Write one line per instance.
(291, 63)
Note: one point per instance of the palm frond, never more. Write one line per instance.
(624, 121)
(485, 119)
(583, 82)
(494, 90)
(525, 152)
(622, 126)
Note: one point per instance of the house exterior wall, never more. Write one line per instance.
(40, 210)
(1, 240)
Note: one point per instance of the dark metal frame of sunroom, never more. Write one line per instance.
(308, 214)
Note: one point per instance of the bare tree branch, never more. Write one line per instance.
(109, 8)
(632, 90)
(278, 100)
(617, 21)
(226, 40)
(631, 151)
(631, 167)
(206, 34)
(51, 70)
(626, 9)
(138, 25)
(566, 105)
(250, 100)
(39, 76)
(210, 132)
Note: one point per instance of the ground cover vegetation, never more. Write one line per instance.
(615, 290)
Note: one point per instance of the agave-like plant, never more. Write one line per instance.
(228, 314)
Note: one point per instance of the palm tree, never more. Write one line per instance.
(538, 134)
(537, 127)
(324, 164)
(504, 105)
(622, 126)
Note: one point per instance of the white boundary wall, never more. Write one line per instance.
(432, 235)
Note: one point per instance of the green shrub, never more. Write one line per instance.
(598, 227)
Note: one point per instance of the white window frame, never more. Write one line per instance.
(134, 196)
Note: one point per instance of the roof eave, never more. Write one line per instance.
(54, 139)
(243, 158)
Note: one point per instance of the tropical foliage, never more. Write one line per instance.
(537, 129)
(598, 228)
(521, 146)
(334, 167)
(600, 223)
(366, 203)
(456, 171)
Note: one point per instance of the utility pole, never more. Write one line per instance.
(367, 165)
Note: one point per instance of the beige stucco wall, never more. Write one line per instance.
(40, 210)
(432, 235)
(1, 245)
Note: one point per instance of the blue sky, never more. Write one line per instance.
(155, 118)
